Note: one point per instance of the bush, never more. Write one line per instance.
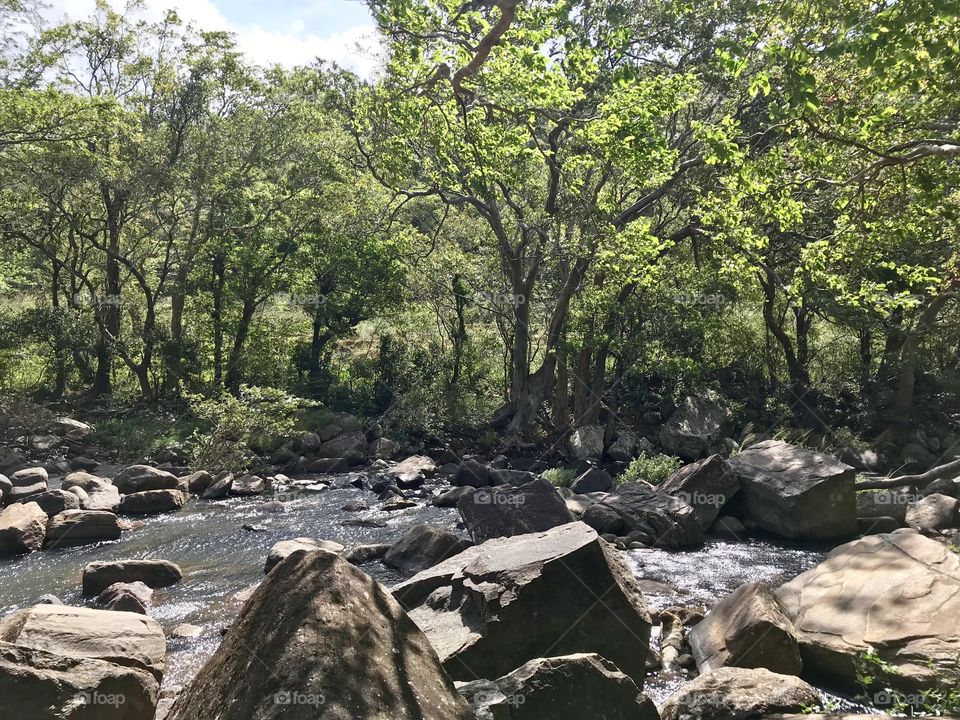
(653, 470)
(233, 425)
(560, 477)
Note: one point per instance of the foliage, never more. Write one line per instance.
(560, 477)
(231, 426)
(651, 469)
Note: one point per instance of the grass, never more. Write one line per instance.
(560, 477)
(653, 470)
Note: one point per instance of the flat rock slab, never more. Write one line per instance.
(123, 638)
(797, 493)
(500, 604)
(730, 693)
(897, 593)
(80, 527)
(33, 681)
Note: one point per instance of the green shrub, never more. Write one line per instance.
(235, 424)
(653, 470)
(560, 477)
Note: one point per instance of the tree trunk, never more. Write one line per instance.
(235, 365)
(219, 280)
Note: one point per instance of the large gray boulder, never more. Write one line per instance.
(98, 493)
(80, 527)
(69, 428)
(421, 547)
(933, 512)
(23, 527)
(748, 628)
(471, 474)
(327, 642)
(40, 685)
(586, 442)
(898, 594)
(884, 503)
(739, 693)
(797, 493)
(101, 574)
(138, 478)
(498, 605)
(505, 510)
(696, 427)
(637, 508)
(123, 638)
(25, 483)
(413, 471)
(705, 485)
(352, 446)
(560, 688)
(151, 502)
(55, 501)
(592, 479)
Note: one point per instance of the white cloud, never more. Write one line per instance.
(356, 48)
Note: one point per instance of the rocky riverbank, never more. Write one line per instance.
(457, 586)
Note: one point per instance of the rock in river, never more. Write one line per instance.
(638, 508)
(570, 687)
(285, 548)
(320, 638)
(797, 493)
(23, 527)
(422, 547)
(897, 593)
(80, 527)
(498, 605)
(99, 575)
(138, 478)
(706, 486)
(730, 693)
(506, 510)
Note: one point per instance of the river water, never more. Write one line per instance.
(220, 559)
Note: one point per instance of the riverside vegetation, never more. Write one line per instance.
(587, 359)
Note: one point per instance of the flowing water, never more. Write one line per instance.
(220, 559)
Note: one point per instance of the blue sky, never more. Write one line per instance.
(271, 31)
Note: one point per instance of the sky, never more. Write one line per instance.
(289, 32)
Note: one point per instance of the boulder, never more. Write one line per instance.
(55, 501)
(451, 497)
(797, 493)
(509, 476)
(730, 693)
(471, 474)
(728, 528)
(623, 449)
(36, 685)
(248, 485)
(897, 593)
(422, 547)
(25, 483)
(197, 482)
(219, 488)
(696, 427)
(366, 553)
(126, 597)
(884, 503)
(638, 508)
(123, 638)
(592, 480)
(23, 528)
(560, 688)
(335, 644)
(412, 472)
(705, 485)
(101, 574)
(351, 445)
(748, 629)
(355, 506)
(586, 442)
(70, 428)
(285, 548)
(151, 502)
(384, 449)
(943, 486)
(500, 604)
(506, 510)
(80, 527)
(933, 512)
(138, 478)
(82, 462)
(99, 493)
(328, 466)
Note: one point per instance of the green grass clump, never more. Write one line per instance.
(653, 470)
(560, 477)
